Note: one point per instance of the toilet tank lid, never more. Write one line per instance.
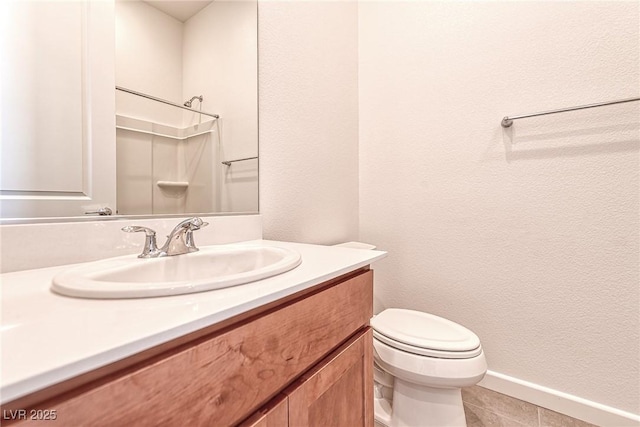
(424, 330)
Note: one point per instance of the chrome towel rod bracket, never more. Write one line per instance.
(507, 121)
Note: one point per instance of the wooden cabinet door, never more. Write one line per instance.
(339, 391)
(275, 414)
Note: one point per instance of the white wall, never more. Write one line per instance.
(308, 79)
(528, 236)
(148, 60)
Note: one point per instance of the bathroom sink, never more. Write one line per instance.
(210, 268)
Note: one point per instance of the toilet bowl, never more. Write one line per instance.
(421, 363)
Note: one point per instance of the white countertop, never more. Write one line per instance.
(48, 338)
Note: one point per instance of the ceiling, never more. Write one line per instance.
(182, 10)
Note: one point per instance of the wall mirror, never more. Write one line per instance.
(131, 107)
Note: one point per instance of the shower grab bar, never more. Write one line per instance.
(507, 121)
(228, 162)
(164, 101)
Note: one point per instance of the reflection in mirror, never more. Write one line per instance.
(170, 159)
(159, 159)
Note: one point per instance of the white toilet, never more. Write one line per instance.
(421, 363)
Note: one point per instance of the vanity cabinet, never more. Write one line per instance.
(336, 392)
(339, 391)
(306, 360)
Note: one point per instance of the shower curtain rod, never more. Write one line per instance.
(508, 121)
(164, 101)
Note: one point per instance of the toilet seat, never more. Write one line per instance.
(428, 352)
(425, 334)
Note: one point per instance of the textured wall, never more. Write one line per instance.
(308, 92)
(527, 236)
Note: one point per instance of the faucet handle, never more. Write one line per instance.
(150, 246)
(137, 229)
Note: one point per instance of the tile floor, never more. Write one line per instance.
(487, 408)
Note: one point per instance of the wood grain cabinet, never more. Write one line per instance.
(336, 392)
(305, 360)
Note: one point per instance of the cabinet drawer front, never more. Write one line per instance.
(221, 379)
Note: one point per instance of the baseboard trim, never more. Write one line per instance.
(573, 406)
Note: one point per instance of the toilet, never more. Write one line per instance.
(421, 362)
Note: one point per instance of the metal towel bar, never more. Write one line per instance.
(508, 121)
(228, 162)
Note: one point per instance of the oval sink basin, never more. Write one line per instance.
(210, 268)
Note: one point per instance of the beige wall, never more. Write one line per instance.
(308, 87)
(527, 236)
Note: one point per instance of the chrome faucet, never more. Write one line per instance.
(179, 241)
